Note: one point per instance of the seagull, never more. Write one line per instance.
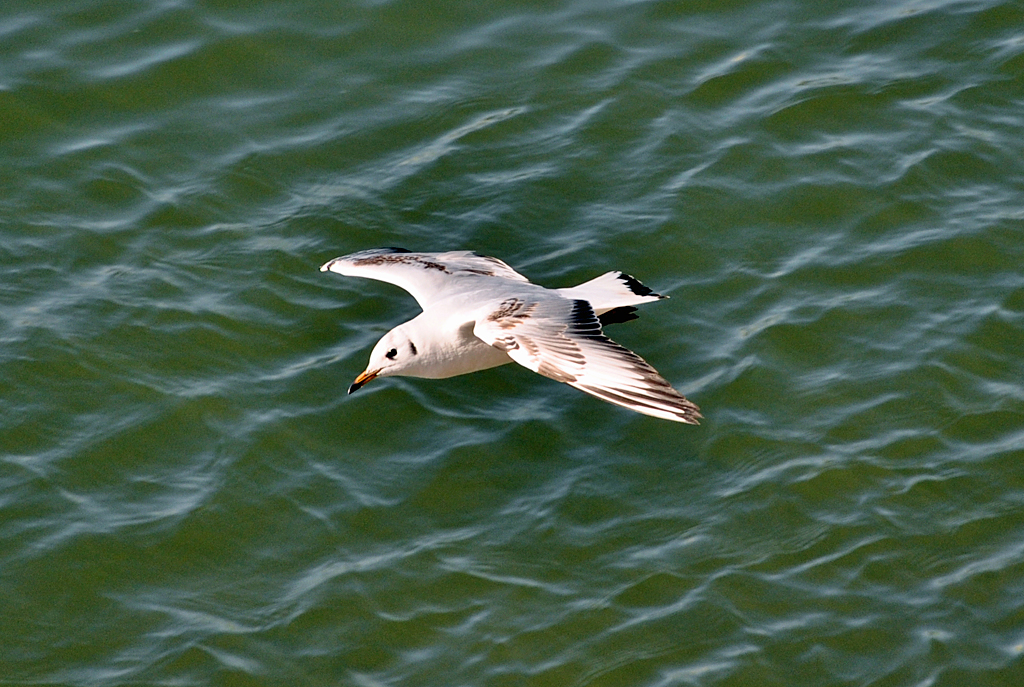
(480, 313)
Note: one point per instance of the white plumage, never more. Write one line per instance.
(479, 313)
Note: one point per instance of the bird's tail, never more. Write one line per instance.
(610, 291)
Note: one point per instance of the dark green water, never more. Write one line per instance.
(831, 193)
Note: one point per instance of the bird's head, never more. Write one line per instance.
(395, 354)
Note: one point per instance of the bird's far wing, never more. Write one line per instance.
(562, 339)
(470, 262)
(427, 276)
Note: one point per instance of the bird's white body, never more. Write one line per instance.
(448, 348)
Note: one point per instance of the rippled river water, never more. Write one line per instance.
(831, 193)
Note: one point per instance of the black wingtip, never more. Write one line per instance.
(637, 287)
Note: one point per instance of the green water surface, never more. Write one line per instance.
(832, 194)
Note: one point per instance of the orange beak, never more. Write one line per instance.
(363, 378)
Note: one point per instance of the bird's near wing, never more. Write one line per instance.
(562, 339)
(427, 276)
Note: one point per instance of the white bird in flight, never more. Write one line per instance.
(479, 313)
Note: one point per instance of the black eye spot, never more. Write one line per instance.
(390, 355)
(412, 348)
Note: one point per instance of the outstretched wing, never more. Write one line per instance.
(426, 276)
(562, 339)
